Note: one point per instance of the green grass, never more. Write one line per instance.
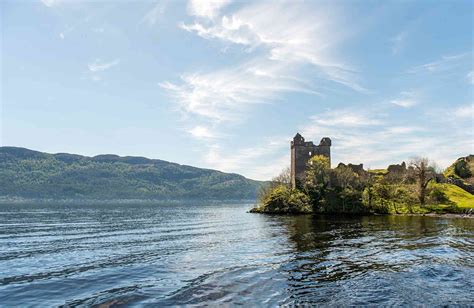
(449, 172)
(458, 196)
(459, 201)
(378, 171)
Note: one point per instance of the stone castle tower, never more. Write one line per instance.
(301, 152)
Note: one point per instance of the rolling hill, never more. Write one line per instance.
(31, 174)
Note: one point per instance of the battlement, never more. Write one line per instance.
(301, 152)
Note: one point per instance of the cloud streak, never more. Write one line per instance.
(153, 16)
(202, 132)
(406, 100)
(224, 95)
(50, 3)
(208, 8)
(279, 53)
(99, 66)
(443, 64)
(381, 141)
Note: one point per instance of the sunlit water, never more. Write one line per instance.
(161, 255)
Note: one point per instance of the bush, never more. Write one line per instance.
(282, 200)
(461, 168)
(437, 195)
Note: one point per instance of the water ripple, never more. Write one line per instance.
(164, 255)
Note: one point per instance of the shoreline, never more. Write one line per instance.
(449, 215)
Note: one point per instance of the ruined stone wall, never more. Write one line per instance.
(301, 152)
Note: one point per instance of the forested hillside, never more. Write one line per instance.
(31, 174)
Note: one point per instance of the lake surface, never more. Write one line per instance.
(162, 255)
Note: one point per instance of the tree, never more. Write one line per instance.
(317, 177)
(369, 179)
(284, 178)
(347, 182)
(344, 177)
(424, 173)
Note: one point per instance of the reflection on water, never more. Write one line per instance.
(195, 254)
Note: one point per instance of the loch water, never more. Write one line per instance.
(218, 254)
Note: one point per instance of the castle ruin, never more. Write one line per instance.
(301, 152)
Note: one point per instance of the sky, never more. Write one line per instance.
(227, 84)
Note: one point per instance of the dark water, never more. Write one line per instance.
(218, 254)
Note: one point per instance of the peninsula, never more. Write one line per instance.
(310, 185)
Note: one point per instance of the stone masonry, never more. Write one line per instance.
(301, 152)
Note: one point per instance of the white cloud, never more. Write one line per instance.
(202, 132)
(345, 118)
(50, 3)
(465, 112)
(403, 129)
(289, 47)
(206, 8)
(223, 95)
(98, 66)
(267, 154)
(405, 103)
(470, 77)
(153, 16)
(301, 39)
(389, 141)
(406, 100)
(443, 64)
(398, 42)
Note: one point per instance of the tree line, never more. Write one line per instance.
(348, 190)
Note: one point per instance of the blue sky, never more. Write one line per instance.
(227, 84)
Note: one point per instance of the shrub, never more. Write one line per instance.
(461, 168)
(437, 195)
(282, 200)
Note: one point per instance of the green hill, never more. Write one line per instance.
(30, 174)
(462, 168)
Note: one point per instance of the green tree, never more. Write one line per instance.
(368, 180)
(284, 200)
(461, 168)
(347, 183)
(317, 178)
(282, 179)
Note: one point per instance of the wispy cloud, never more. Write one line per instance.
(207, 8)
(465, 112)
(345, 118)
(267, 153)
(223, 95)
(406, 99)
(202, 132)
(157, 11)
(470, 77)
(397, 42)
(100, 66)
(383, 141)
(288, 48)
(445, 63)
(405, 103)
(301, 36)
(278, 53)
(50, 3)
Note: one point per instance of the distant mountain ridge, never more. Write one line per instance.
(26, 173)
